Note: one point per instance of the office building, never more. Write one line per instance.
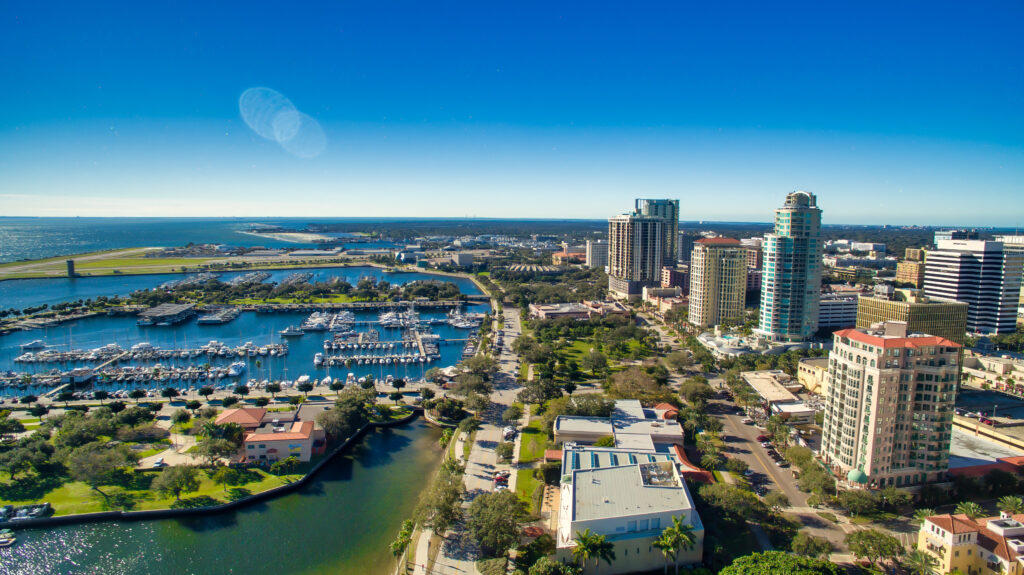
(791, 280)
(910, 272)
(753, 280)
(889, 398)
(1014, 244)
(685, 246)
(947, 319)
(667, 210)
(597, 254)
(944, 235)
(982, 274)
(635, 253)
(837, 311)
(718, 281)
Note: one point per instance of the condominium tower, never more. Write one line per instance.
(597, 253)
(980, 273)
(791, 279)
(668, 210)
(635, 253)
(718, 281)
(685, 246)
(889, 401)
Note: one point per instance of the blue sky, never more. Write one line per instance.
(906, 112)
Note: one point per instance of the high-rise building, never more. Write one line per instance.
(791, 280)
(669, 211)
(889, 401)
(635, 253)
(980, 273)
(718, 281)
(1014, 244)
(597, 253)
(943, 235)
(910, 272)
(914, 254)
(685, 246)
(947, 319)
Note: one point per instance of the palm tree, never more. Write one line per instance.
(682, 535)
(921, 562)
(1012, 504)
(591, 545)
(971, 509)
(667, 544)
(921, 514)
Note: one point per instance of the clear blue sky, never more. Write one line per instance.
(892, 112)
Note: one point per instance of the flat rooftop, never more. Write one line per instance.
(630, 490)
(588, 457)
(767, 384)
(583, 424)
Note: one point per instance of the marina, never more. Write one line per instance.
(116, 353)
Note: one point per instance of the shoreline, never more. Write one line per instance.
(226, 507)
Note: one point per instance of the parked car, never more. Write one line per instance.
(763, 438)
(748, 421)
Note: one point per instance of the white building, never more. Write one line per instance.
(837, 311)
(980, 273)
(597, 254)
(630, 492)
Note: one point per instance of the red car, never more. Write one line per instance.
(763, 438)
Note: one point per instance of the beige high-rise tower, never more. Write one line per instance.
(889, 399)
(718, 281)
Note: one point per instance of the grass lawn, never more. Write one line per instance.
(533, 443)
(77, 497)
(141, 262)
(526, 484)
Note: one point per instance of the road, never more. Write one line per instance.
(458, 554)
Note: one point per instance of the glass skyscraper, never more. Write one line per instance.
(791, 280)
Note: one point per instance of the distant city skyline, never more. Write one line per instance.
(525, 111)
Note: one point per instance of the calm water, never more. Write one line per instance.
(20, 294)
(35, 238)
(341, 523)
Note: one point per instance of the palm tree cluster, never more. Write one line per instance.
(673, 540)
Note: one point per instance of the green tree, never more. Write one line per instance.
(605, 441)
(181, 417)
(921, 514)
(206, 391)
(305, 387)
(193, 405)
(242, 390)
(589, 546)
(874, 545)
(921, 562)
(177, 480)
(512, 414)
(401, 542)
(494, 521)
(226, 476)
(441, 505)
(138, 394)
(66, 397)
(667, 545)
(808, 546)
(969, 508)
(228, 401)
(505, 450)
(95, 463)
(273, 389)
(169, 392)
(546, 566)
(1012, 504)
(858, 501)
(262, 401)
(682, 537)
(778, 562)
(777, 500)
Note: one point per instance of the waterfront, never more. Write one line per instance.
(37, 238)
(341, 523)
(20, 294)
